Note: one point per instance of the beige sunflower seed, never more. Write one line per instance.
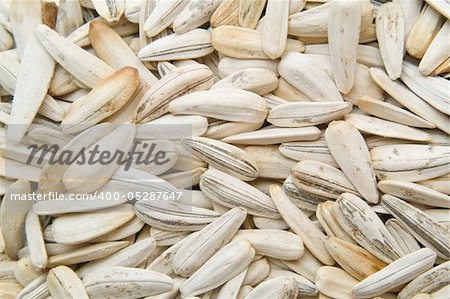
(256, 80)
(37, 66)
(366, 55)
(230, 192)
(335, 282)
(422, 33)
(307, 113)
(222, 266)
(229, 65)
(390, 26)
(414, 193)
(86, 253)
(303, 73)
(105, 99)
(442, 8)
(219, 129)
(404, 239)
(359, 220)
(433, 90)
(256, 272)
(321, 179)
(110, 10)
(274, 135)
(13, 213)
(275, 28)
(77, 228)
(420, 225)
(349, 150)
(195, 14)
(193, 44)
(391, 112)
(312, 237)
(35, 240)
(129, 256)
(250, 12)
(24, 272)
(410, 162)
(241, 105)
(245, 43)
(174, 216)
(62, 82)
(224, 157)
(163, 15)
(428, 282)
(435, 55)
(69, 17)
(177, 82)
(86, 68)
(313, 23)
(344, 20)
(380, 127)
(117, 282)
(395, 274)
(227, 13)
(355, 260)
(200, 247)
(273, 243)
(110, 47)
(62, 282)
(326, 216)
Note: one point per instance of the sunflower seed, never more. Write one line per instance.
(237, 255)
(117, 282)
(366, 228)
(348, 148)
(62, 282)
(395, 274)
(420, 225)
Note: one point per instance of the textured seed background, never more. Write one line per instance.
(316, 165)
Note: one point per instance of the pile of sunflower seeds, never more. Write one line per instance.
(319, 133)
